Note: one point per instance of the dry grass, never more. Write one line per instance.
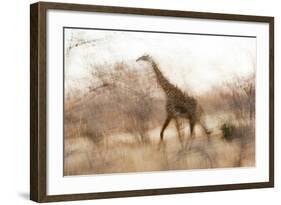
(115, 126)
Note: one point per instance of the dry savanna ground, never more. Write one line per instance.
(114, 127)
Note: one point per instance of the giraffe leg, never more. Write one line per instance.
(207, 132)
(192, 125)
(166, 123)
(179, 133)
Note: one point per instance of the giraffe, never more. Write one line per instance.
(178, 103)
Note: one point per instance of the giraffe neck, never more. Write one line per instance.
(162, 81)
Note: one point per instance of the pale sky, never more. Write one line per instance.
(193, 62)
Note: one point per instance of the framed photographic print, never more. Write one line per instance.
(134, 102)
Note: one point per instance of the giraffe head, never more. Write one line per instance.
(144, 58)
